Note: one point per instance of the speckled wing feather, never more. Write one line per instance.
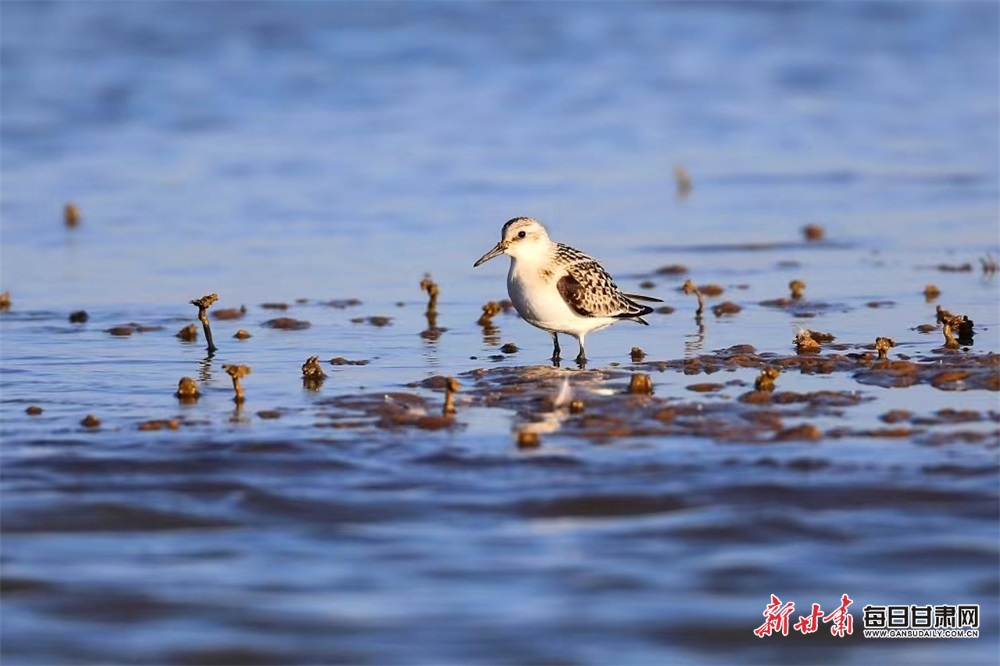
(590, 291)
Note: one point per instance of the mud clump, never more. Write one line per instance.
(528, 439)
(188, 334)
(726, 308)
(377, 321)
(509, 348)
(490, 310)
(242, 334)
(125, 330)
(33, 410)
(765, 380)
(637, 355)
(805, 343)
(340, 360)
(640, 384)
(71, 215)
(312, 374)
(931, 292)
(386, 411)
(229, 314)
(813, 232)
(187, 390)
(4, 301)
(342, 304)
(159, 424)
(274, 306)
(882, 346)
(806, 431)
(78, 317)
(287, 324)
(90, 421)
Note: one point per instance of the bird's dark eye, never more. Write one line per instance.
(521, 234)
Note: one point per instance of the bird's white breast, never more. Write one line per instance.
(533, 291)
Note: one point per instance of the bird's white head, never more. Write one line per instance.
(521, 237)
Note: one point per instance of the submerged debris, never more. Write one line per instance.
(509, 348)
(33, 410)
(237, 372)
(274, 306)
(203, 304)
(90, 421)
(78, 317)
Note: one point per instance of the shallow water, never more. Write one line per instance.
(324, 151)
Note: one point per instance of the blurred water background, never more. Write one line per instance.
(330, 150)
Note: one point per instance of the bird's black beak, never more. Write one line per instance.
(495, 252)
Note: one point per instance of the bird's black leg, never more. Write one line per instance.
(555, 349)
(581, 358)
